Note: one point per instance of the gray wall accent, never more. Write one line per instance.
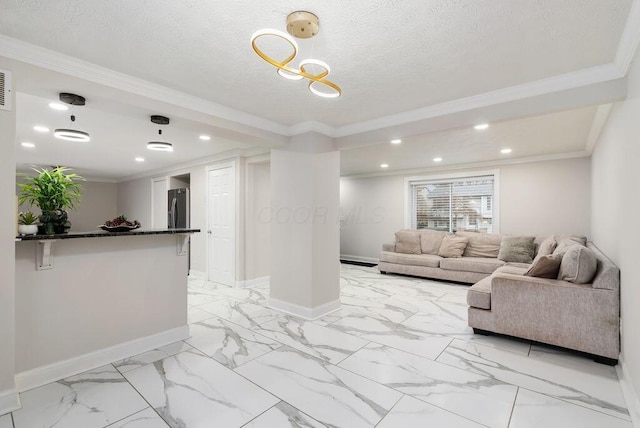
(536, 198)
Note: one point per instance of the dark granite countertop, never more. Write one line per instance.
(103, 234)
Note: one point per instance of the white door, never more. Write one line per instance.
(221, 225)
(159, 203)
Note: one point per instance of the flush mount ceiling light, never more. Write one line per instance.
(70, 134)
(396, 141)
(437, 159)
(481, 126)
(384, 165)
(505, 151)
(161, 146)
(204, 137)
(302, 25)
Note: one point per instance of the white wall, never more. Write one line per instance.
(99, 203)
(535, 198)
(8, 397)
(257, 230)
(134, 200)
(615, 203)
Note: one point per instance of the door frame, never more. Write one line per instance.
(153, 181)
(234, 168)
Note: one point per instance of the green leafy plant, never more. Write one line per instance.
(27, 218)
(52, 190)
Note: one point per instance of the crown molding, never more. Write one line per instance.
(465, 166)
(312, 126)
(599, 121)
(55, 61)
(585, 77)
(629, 40)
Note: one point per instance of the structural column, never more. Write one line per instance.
(8, 395)
(305, 236)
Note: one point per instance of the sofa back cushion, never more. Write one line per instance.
(547, 246)
(518, 249)
(453, 246)
(566, 242)
(481, 244)
(579, 265)
(545, 266)
(408, 242)
(430, 240)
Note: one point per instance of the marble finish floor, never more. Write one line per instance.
(398, 354)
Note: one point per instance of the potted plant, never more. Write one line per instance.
(27, 223)
(53, 191)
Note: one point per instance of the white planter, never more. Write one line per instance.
(28, 229)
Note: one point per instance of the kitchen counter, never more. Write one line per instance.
(104, 234)
(83, 303)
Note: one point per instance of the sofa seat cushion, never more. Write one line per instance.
(428, 260)
(514, 268)
(479, 294)
(472, 264)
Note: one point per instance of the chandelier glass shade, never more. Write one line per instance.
(318, 84)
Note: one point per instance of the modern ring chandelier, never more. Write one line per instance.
(302, 25)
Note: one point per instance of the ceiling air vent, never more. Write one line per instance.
(5, 90)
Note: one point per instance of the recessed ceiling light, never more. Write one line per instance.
(40, 128)
(28, 145)
(396, 141)
(437, 159)
(384, 165)
(505, 151)
(481, 126)
(204, 137)
(58, 106)
(138, 159)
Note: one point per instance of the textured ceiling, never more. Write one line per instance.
(388, 56)
(548, 134)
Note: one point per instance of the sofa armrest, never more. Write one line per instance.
(389, 247)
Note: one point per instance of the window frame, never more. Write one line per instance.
(444, 178)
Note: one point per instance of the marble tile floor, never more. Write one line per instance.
(398, 354)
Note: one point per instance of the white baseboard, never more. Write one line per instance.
(629, 392)
(196, 274)
(253, 282)
(9, 401)
(353, 258)
(304, 312)
(50, 373)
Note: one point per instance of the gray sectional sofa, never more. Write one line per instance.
(577, 306)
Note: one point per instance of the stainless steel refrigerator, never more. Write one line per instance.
(178, 215)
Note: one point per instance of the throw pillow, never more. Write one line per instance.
(546, 266)
(579, 265)
(518, 249)
(565, 243)
(547, 246)
(481, 244)
(431, 240)
(453, 246)
(408, 242)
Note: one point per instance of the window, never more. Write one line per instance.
(451, 203)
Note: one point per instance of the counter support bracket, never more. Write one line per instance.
(183, 244)
(44, 255)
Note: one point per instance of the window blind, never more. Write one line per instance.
(451, 205)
